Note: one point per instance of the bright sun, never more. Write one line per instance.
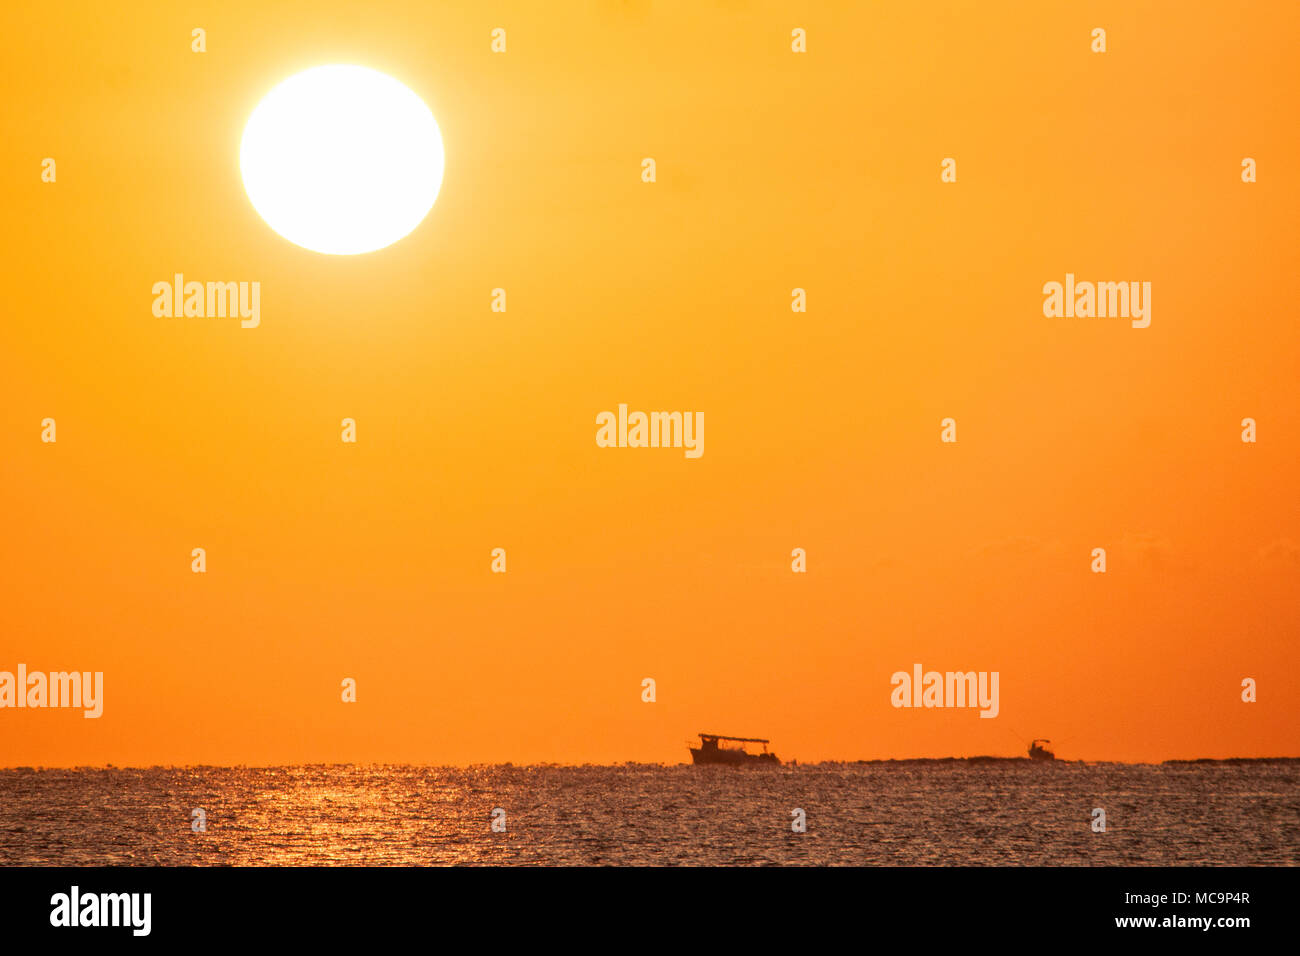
(342, 159)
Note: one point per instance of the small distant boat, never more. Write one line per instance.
(1040, 753)
(711, 750)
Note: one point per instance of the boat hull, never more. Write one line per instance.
(733, 758)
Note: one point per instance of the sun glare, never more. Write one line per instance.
(342, 159)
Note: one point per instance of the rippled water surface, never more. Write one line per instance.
(931, 814)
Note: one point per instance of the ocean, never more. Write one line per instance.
(903, 813)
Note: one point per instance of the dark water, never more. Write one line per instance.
(933, 814)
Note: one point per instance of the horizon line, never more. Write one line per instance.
(639, 763)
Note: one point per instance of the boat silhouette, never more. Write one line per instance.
(710, 750)
(1040, 753)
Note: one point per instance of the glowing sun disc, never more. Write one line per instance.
(341, 159)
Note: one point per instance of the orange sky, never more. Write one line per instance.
(476, 429)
